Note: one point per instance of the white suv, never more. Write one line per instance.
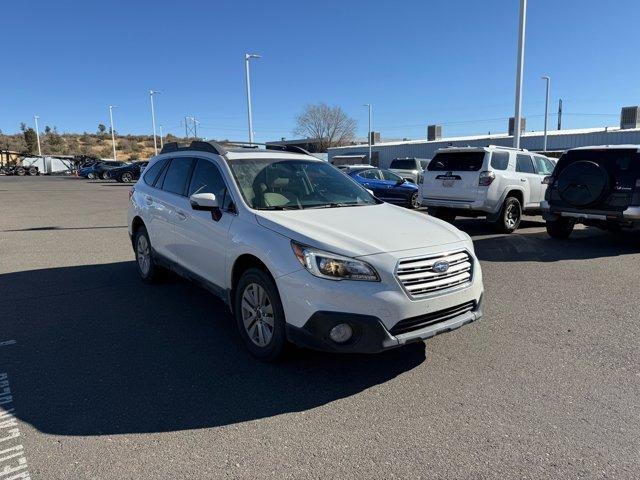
(500, 183)
(299, 251)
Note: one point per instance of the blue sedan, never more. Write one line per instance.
(386, 185)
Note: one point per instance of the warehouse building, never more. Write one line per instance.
(557, 141)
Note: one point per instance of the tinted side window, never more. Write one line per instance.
(370, 174)
(543, 166)
(524, 164)
(387, 175)
(207, 178)
(175, 180)
(151, 174)
(500, 160)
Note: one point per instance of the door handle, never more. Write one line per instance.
(523, 179)
(181, 215)
(148, 200)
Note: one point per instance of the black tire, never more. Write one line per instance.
(33, 171)
(510, 216)
(560, 229)
(105, 175)
(443, 214)
(125, 177)
(91, 176)
(277, 344)
(20, 171)
(152, 273)
(414, 201)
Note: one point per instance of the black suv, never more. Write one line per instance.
(596, 186)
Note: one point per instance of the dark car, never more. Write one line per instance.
(595, 186)
(128, 173)
(386, 185)
(102, 169)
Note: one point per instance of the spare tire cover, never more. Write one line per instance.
(582, 183)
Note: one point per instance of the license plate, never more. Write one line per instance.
(449, 182)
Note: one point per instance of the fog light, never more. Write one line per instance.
(341, 333)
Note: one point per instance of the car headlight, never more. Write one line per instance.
(332, 266)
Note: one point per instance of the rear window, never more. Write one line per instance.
(618, 162)
(406, 164)
(151, 174)
(499, 160)
(456, 161)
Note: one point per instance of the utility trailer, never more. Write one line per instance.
(11, 164)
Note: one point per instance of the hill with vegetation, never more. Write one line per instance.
(98, 144)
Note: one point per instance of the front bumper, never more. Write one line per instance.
(370, 334)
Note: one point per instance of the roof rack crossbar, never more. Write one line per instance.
(199, 145)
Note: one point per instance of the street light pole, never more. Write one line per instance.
(113, 133)
(161, 141)
(153, 120)
(519, 73)
(36, 117)
(247, 57)
(368, 105)
(546, 112)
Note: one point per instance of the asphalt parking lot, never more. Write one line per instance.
(111, 378)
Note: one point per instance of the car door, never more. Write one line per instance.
(372, 180)
(544, 167)
(529, 180)
(169, 202)
(396, 186)
(201, 241)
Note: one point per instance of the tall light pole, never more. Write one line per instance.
(247, 57)
(546, 111)
(36, 117)
(519, 73)
(161, 141)
(153, 119)
(113, 133)
(368, 105)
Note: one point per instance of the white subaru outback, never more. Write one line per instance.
(299, 251)
(500, 183)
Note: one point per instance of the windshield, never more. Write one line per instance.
(277, 184)
(408, 164)
(456, 161)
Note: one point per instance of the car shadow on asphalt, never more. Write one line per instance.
(98, 352)
(526, 245)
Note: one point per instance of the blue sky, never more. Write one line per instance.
(417, 62)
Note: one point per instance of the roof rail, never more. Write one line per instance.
(198, 145)
(507, 148)
(269, 146)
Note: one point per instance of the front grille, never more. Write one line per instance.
(421, 321)
(418, 276)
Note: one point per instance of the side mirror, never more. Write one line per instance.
(206, 202)
(401, 181)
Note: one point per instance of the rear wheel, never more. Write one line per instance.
(560, 228)
(104, 175)
(20, 171)
(91, 176)
(259, 315)
(33, 171)
(126, 177)
(510, 216)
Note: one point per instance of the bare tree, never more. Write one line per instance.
(330, 125)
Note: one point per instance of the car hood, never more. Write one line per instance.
(360, 231)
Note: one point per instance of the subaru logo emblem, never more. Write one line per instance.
(441, 266)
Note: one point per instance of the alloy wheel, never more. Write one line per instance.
(143, 255)
(512, 215)
(415, 200)
(257, 314)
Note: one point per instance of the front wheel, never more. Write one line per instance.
(559, 229)
(126, 177)
(414, 201)
(510, 216)
(104, 175)
(259, 315)
(149, 272)
(91, 176)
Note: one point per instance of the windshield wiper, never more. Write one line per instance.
(337, 205)
(280, 207)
